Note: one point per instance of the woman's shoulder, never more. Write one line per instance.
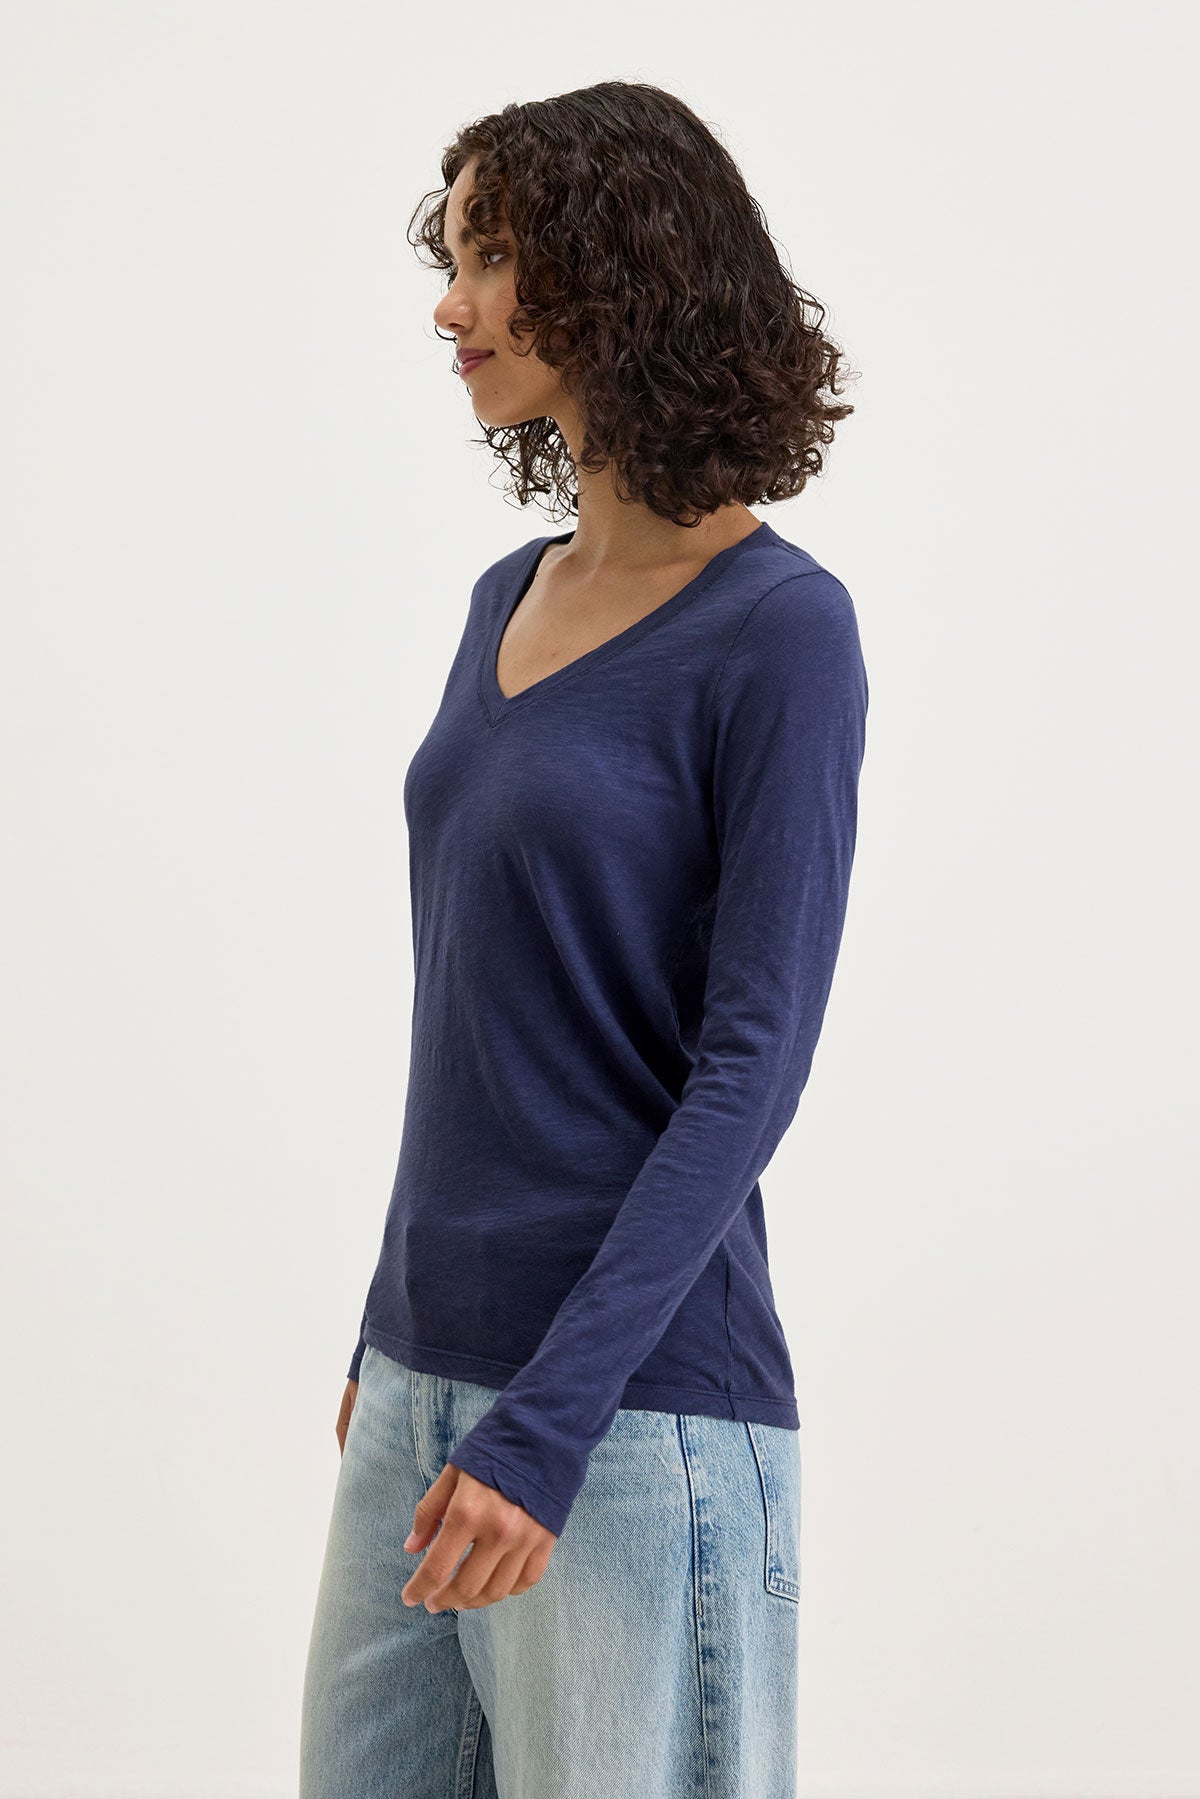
(512, 561)
(790, 599)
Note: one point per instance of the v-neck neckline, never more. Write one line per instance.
(497, 704)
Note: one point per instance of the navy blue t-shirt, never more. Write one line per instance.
(629, 883)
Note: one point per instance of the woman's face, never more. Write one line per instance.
(506, 388)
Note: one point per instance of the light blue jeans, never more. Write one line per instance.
(656, 1658)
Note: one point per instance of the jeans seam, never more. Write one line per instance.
(681, 1427)
(468, 1751)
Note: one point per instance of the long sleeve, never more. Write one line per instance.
(359, 1350)
(788, 734)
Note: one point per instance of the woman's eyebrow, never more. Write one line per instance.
(467, 236)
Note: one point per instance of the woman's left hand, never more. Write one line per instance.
(510, 1550)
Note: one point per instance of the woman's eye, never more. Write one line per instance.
(451, 273)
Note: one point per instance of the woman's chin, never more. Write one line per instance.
(497, 413)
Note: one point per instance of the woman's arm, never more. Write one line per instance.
(788, 717)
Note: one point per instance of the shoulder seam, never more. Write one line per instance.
(774, 588)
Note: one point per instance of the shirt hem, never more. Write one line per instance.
(638, 1396)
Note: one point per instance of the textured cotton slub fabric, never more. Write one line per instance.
(629, 883)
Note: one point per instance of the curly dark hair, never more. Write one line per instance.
(645, 274)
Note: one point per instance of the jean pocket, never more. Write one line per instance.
(777, 1453)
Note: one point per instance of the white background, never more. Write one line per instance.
(242, 514)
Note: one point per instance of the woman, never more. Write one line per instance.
(631, 827)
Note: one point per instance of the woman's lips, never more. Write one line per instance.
(467, 363)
